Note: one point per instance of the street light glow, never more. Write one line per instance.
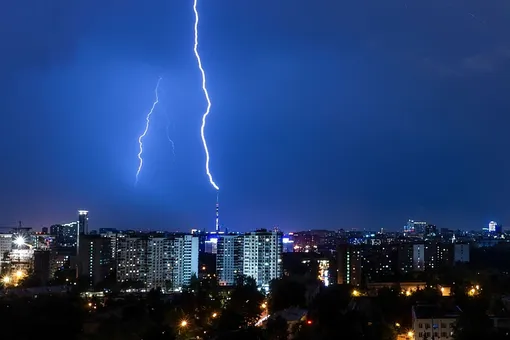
(184, 323)
(19, 241)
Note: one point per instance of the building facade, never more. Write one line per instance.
(157, 261)
(261, 256)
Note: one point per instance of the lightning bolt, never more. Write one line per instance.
(170, 140)
(208, 109)
(147, 123)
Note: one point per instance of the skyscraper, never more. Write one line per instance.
(83, 221)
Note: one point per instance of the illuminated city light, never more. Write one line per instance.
(19, 241)
(206, 94)
(184, 323)
(147, 123)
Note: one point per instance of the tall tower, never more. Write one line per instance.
(218, 212)
(83, 222)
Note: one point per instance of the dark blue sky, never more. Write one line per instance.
(326, 113)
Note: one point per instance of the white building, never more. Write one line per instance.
(5, 249)
(164, 262)
(261, 256)
(227, 259)
(433, 322)
(184, 257)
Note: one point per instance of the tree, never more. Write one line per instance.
(244, 307)
(473, 322)
(277, 328)
(286, 292)
(329, 312)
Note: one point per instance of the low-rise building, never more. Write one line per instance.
(434, 322)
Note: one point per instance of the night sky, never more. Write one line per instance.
(326, 113)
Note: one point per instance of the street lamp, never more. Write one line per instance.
(6, 279)
(184, 323)
(214, 315)
(410, 334)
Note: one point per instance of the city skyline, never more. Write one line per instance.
(341, 115)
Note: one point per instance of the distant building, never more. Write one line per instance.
(157, 262)
(42, 269)
(418, 257)
(65, 235)
(256, 254)
(434, 322)
(5, 251)
(94, 260)
(349, 265)
(415, 227)
(83, 221)
(228, 256)
(461, 253)
(112, 235)
(261, 256)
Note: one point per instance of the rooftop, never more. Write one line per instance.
(435, 312)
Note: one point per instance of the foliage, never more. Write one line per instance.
(276, 329)
(473, 322)
(243, 309)
(62, 313)
(286, 292)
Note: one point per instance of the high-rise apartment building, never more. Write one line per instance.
(255, 254)
(261, 256)
(65, 235)
(228, 255)
(349, 264)
(184, 257)
(94, 259)
(157, 261)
